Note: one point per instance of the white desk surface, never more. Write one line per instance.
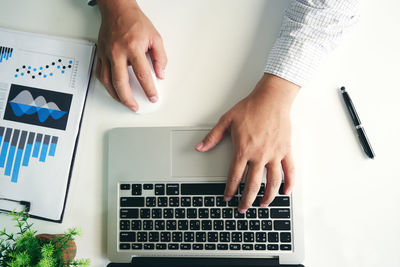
(217, 51)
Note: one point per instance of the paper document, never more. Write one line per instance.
(43, 88)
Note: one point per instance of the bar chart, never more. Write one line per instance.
(18, 147)
(5, 53)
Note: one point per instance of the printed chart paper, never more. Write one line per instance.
(43, 87)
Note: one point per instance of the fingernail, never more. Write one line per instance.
(199, 145)
(134, 108)
(154, 99)
(264, 206)
(227, 199)
(162, 74)
(242, 211)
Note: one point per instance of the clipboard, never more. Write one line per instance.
(44, 81)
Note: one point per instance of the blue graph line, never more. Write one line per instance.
(27, 155)
(52, 151)
(36, 149)
(3, 154)
(10, 160)
(17, 164)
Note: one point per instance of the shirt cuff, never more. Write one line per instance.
(294, 60)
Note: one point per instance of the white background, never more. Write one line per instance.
(217, 51)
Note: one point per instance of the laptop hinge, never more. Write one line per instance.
(197, 262)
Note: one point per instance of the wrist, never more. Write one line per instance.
(278, 92)
(110, 5)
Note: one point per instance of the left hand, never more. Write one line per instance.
(260, 129)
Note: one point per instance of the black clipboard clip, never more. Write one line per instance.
(23, 203)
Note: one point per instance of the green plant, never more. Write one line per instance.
(24, 249)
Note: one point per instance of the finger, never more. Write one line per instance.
(141, 68)
(252, 186)
(159, 58)
(105, 78)
(274, 180)
(235, 176)
(98, 68)
(289, 171)
(214, 136)
(120, 82)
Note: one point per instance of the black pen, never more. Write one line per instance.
(362, 136)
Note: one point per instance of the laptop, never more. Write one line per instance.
(166, 206)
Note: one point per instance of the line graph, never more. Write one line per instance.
(38, 106)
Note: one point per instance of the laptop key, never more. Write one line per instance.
(159, 225)
(142, 237)
(281, 188)
(220, 202)
(256, 202)
(247, 246)
(168, 213)
(203, 213)
(248, 237)
(266, 225)
(262, 188)
(215, 213)
(162, 201)
(272, 247)
(238, 215)
(148, 186)
(161, 246)
(234, 202)
(159, 189)
(222, 246)
(165, 237)
(144, 213)
(206, 225)
(224, 237)
(286, 237)
(156, 213)
(171, 225)
(127, 237)
(261, 237)
(234, 247)
(230, 225)
(212, 237)
(262, 213)
(242, 225)
(136, 225)
(186, 202)
(280, 213)
(124, 186)
(137, 246)
(129, 213)
(280, 202)
(286, 247)
(227, 213)
(172, 189)
(150, 201)
(183, 225)
(147, 225)
(203, 189)
(176, 236)
(251, 213)
(154, 237)
(260, 246)
(124, 225)
(210, 246)
(124, 246)
(131, 202)
(200, 236)
(174, 201)
(191, 213)
(185, 246)
(218, 225)
(236, 236)
(273, 237)
(282, 225)
(197, 202)
(198, 246)
(148, 246)
(254, 225)
(173, 246)
(194, 225)
(209, 201)
(136, 189)
(188, 236)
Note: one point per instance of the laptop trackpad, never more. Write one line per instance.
(188, 162)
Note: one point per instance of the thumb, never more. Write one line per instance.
(214, 136)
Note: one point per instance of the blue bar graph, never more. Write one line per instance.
(19, 146)
(5, 53)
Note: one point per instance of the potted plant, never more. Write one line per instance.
(26, 249)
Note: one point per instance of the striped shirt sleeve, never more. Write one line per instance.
(309, 31)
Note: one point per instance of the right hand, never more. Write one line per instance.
(125, 36)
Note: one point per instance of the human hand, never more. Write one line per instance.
(125, 36)
(260, 129)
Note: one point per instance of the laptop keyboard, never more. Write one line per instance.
(194, 216)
